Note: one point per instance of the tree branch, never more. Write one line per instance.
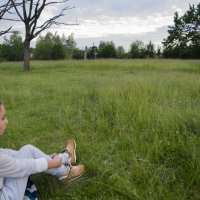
(50, 22)
(56, 2)
(6, 31)
(30, 9)
(15, 7)
(3, 9)
(9, 19)
(24, 10)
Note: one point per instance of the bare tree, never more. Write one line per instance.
(3, 9)
(29, 12)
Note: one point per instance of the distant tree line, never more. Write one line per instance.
(183, 42)
(53, 47)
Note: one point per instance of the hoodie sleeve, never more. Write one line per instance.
(11, 167)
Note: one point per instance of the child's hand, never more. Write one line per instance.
(55, 162)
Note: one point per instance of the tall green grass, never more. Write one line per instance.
(136, 124)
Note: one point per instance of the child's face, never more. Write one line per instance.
(3, 120)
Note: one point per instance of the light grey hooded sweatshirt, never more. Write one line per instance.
(12, 167)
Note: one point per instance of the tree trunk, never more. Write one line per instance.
(26, 55)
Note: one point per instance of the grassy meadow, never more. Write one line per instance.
(136, 124)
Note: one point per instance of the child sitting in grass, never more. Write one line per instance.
(16, 166)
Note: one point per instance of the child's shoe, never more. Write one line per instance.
(74, 173)
(71, 149)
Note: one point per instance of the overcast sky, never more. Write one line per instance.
(121, 21)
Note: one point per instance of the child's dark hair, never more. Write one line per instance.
(1, 102)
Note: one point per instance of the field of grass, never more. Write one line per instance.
(136, 124)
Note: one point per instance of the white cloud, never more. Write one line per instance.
(106, 25)
(112, 20)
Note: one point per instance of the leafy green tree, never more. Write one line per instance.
(150, 50)
(158, 52)
(184, 37)
(12, 48)
(58, 51)
(107, 50)
(137, 49)
(44, 47)
(69, 45)
(91, 52)
(49, 47)
(78, 54)
(120, 52)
